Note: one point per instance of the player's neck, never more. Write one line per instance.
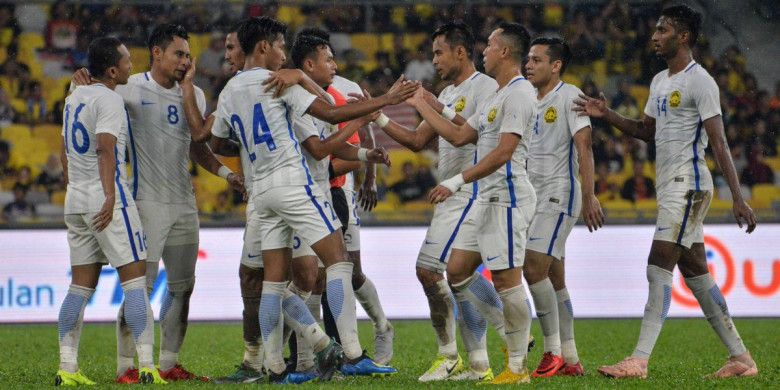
(465, 73)
(678, 63)
(255, 61)
(545, 89)
(160, 78)
(506, 73)
(110, 84)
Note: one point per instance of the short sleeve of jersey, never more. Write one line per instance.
(649, 106)
(705, 95)
(304, 127)
(221, 126)
(298, 99)
(473, 120)
(576, 122)
(110, 114)
(200, 100)
(517, 112)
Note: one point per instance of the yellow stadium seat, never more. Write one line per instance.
(413, 41)
(385, 207)
(417, 206)
(139, 56)
(640, 93)
(367, 43)
(720, 204)
(618, 204)
(768, 193)
(50, 134)
(646, 205)
(774, 163)
(3, 54)
(572, 79)
(31, 41)
(6, 36)
(386, 43)
(398, 16)
(58, 198)
(15, 133)
(291, 15)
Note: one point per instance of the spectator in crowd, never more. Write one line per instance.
(603, 187)
(774, 103)
(24, 177)
(51, 177)
(62, 29)
(420, 68)
(6, 110)
(5, 157)
(353, 70)
(607, 151)
(223, 206)
(35, 104)
(384, 69)
(757, 171)
(209, 68)
(762, 136)
(20, 209)
(639, 186)
(415, 184)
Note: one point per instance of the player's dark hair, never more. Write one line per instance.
(685, 19)
(456, 34)
(317, 32)
(163, 35)
(304, 47)
(518, 39)
(557, 49)
(235, 26)
(102, 54)
(254, 30)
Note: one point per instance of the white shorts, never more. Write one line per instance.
(548, 233)
(681, 216)
(120, 243)
(448, 216)
(299, 247)
(498, 233)
(303, 209)
(168, 224)
(251, 255)
(352, 235)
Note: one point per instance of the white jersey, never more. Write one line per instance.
(553, 162)
(508, 110)
(465, 99)
(89, 111)
(680, 104)
(264, 125)
(159, 139)
(346, 87)
(308, 126)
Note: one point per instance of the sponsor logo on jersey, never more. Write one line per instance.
(674, 99)
(460, 104)
(550, 115)
(492, 114)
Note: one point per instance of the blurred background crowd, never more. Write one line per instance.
(42, 43)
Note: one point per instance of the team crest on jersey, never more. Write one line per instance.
(674, 99)
(460, 104)
(492, 114)
(550, 115)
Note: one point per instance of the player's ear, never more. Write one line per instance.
(556, 66)
(157, 52)
(263, 46)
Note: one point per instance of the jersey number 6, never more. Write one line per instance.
(76, 126)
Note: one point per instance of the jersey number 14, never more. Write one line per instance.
(261, 133)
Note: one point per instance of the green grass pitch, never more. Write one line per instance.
(686, 351)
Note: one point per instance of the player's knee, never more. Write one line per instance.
(456, 276)
(558, 281)
(251, 281)
(664, 255)
(358, 278)
(427, 277)
(506, 279)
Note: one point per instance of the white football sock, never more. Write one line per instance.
(69, 325)
(546, 304)
(517, 314)
(658, 300)
(715, 309)
(369, 300)
(566, 327)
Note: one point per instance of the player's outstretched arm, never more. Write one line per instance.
(202, 155)
(457, 135)
(106, 144)
(320, 149)
(742, 212)
(321, 109)
(507, 143)
(643, 129)
(282, 79)
(591, 207)
(200, 129)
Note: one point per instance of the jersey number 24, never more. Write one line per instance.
(261, 133)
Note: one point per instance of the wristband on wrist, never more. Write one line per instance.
(448, 113)
(362, 154)
(382, 120)
(224, 172)
(453, 183)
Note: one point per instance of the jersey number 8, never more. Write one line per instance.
(173, 114)
(258, 123)
(76, 126)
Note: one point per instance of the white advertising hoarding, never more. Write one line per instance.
(605, 273)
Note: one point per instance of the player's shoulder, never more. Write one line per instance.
(521, 89)
(346, 86)
(139, 78)
(570, 91)
(699, 75)
(482, 80)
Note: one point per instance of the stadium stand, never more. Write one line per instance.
(374, 43)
